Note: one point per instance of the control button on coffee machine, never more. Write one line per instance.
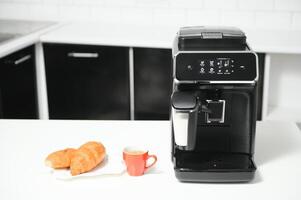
(189, 67)
(202, 71)
(227, 71)
(226, 63)
(202, 63)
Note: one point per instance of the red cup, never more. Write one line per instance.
(136, 160)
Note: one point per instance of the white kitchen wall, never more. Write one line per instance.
(251, 14)
(284, 96)
(285, 81)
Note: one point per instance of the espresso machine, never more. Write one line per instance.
(213, 105)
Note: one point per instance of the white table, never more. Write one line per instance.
(25, 143)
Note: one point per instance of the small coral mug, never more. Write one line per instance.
(136, 160)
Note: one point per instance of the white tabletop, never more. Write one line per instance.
(24, 145)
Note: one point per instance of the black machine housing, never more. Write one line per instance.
(215, 83)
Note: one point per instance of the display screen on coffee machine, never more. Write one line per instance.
(216, 66)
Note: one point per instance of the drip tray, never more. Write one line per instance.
(214, 167)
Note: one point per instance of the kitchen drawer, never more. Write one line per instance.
(87, 82)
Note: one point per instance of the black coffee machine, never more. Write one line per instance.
(213, 105)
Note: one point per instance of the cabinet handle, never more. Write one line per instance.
(82, 55)
(21, 60)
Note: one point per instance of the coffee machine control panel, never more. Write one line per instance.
(216, 66)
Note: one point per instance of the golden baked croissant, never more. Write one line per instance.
(81, 160)
(60, 159)
(87, 157)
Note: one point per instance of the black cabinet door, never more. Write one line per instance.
(18, 96)
(152, 83)
(87, 82)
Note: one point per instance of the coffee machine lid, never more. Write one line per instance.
(211, 38)
(183, 100)
(213, 32)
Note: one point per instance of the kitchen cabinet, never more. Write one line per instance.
(18, 94)
(87, 82)
(152, 83)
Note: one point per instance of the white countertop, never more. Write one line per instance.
(97, 33)
(24, 145)
(112, 35)
(25, 34)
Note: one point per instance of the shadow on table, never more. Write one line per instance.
(257, 178)
(299, 125)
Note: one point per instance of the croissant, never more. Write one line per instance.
(60, 159)
(87, 157)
